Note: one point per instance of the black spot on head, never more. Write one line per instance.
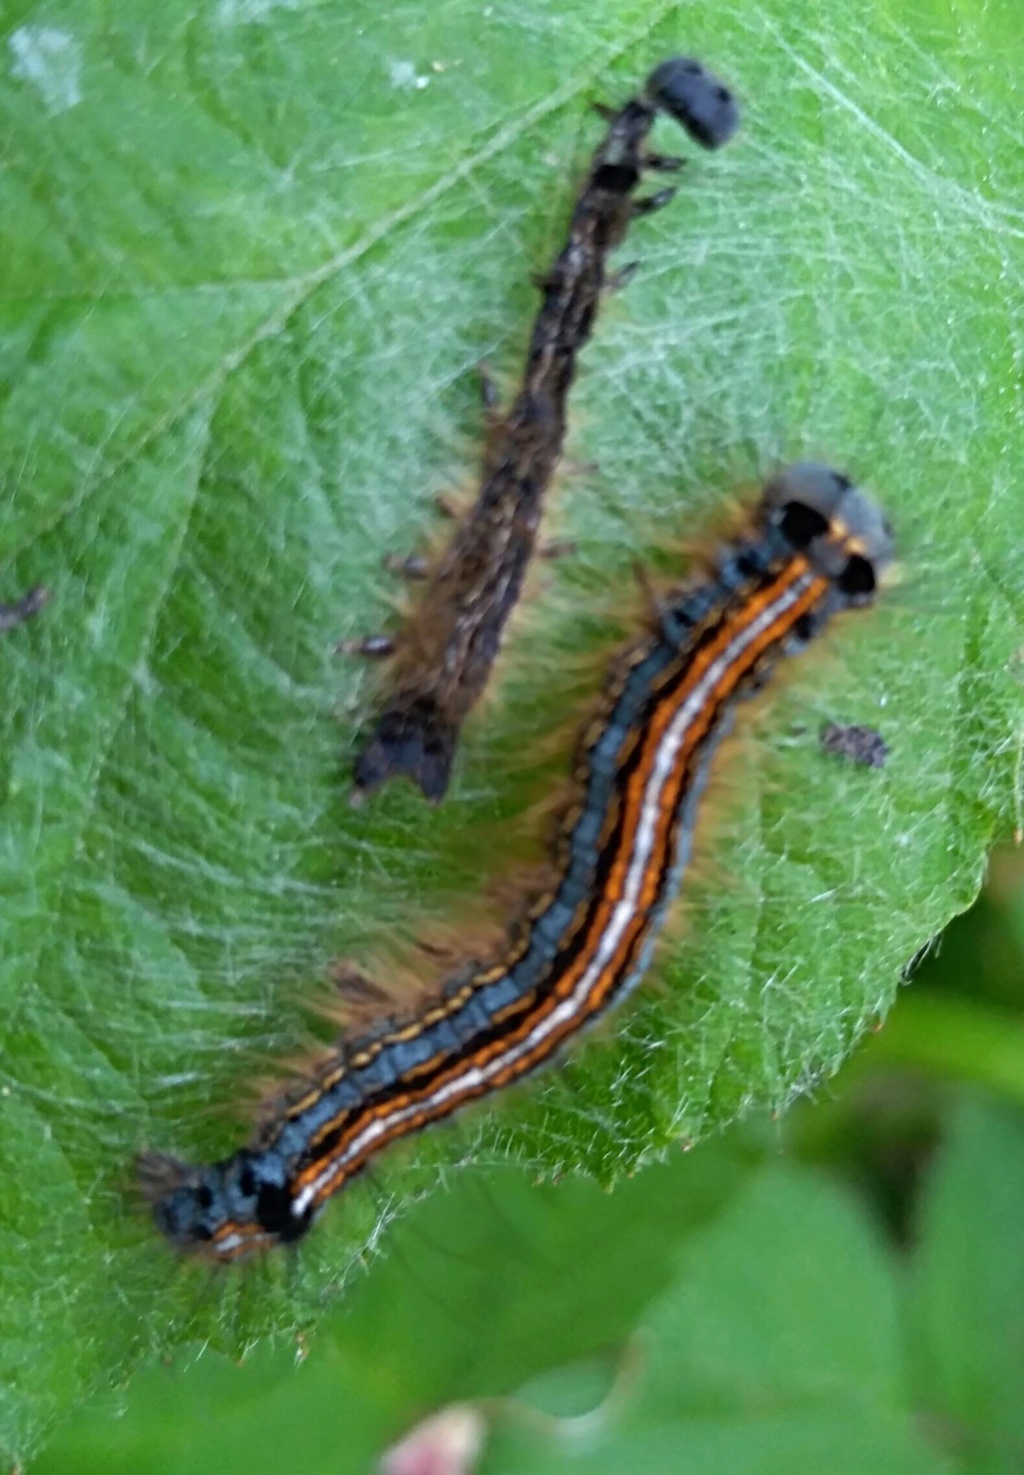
(247, 1182)
(858, 577)
(800, 524)
(204, 1196)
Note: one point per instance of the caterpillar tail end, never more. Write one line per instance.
(413, 741)
(170, 1188)
(225, 1211)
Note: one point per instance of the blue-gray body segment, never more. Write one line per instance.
(399, 1060)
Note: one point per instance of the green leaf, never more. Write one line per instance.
(777, 1352)
(252, 252)
(793, 1338)
(734, 1320)
(945, 1035)
(484, 1285)
(968, 1291)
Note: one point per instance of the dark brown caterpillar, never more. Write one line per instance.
(443, 658)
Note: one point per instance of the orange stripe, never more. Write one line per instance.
(413, 1029)
(653, 736)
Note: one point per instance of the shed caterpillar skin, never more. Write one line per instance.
(443, 659)
(23, 609)
(854, 742)
(816, 547)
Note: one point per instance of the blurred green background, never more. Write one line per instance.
(839, 1291)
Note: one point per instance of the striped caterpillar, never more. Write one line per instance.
(442, 660)
(816, 547)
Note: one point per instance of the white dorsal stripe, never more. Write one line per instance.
(475, 1078)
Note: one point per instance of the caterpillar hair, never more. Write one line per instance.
(815, 546)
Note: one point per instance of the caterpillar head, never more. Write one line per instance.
(837, 525)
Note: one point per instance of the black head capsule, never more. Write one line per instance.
(834, 523)
(696, 98)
